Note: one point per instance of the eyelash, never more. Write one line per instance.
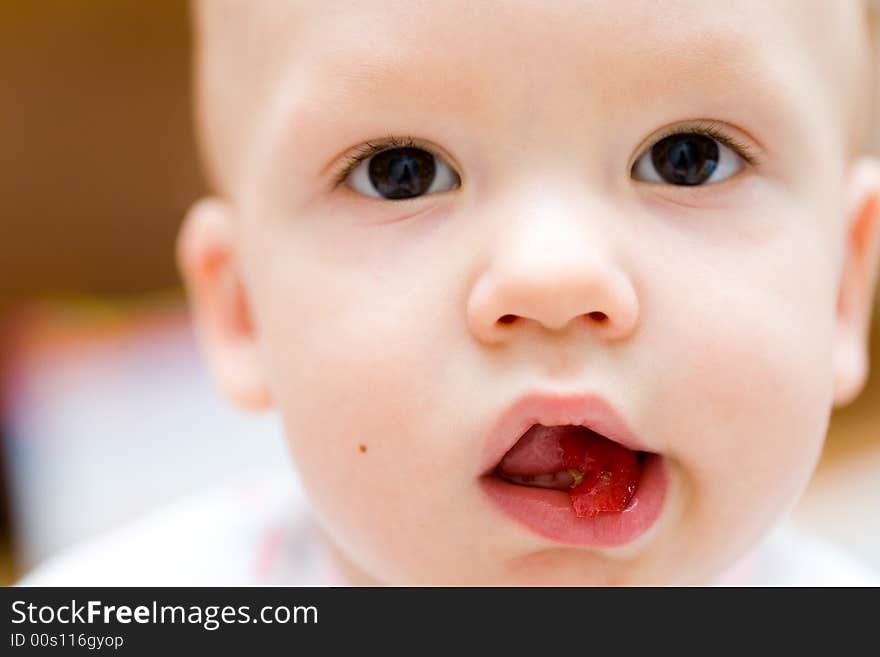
(706, 128)
(370, 148)
(713, 130)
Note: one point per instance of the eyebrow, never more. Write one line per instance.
(738, 75)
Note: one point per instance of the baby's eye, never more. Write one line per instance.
(401, 173)
(687, 158)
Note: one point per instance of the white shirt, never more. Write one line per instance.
(256, 530)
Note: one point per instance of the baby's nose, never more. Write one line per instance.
(553, 268)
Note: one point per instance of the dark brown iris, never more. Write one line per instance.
(685, 159)
(398, 173)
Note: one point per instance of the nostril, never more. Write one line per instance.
(598, 316)
(507, 319)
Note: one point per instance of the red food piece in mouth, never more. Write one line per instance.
(609, 473)
(600, 474)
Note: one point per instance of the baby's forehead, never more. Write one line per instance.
(804, 57)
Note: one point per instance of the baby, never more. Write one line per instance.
(543, 292)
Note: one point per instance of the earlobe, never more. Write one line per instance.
(206, 258)
(858, 281)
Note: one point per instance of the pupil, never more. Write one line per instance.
(685, 159)
(402, 172)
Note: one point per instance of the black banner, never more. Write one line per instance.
(154, 621)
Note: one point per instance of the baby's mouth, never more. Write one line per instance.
(600, 475)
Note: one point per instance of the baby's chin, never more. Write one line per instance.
(682, 548)
(664, 564)
(679, 551)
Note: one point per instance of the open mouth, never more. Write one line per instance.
(600, 475)
(568, 468)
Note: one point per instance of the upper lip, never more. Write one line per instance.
(550, 409)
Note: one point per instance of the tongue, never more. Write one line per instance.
(601, 475)
(538, 451)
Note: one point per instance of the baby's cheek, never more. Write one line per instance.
(362, 389)
(755, 392)
(356, 447)
(379, 487)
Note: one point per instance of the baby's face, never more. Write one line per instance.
(570, 202)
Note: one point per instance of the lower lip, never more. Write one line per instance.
(549, 513)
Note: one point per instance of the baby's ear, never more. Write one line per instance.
(206, 257)
(858, 281)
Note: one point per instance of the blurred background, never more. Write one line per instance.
(105, 410)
